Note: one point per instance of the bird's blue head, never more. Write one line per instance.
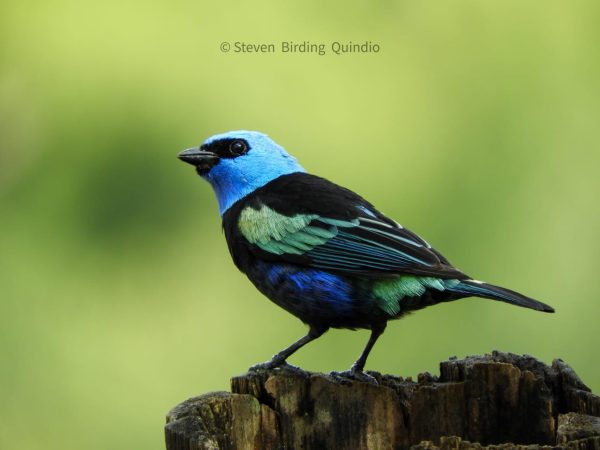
(239, 162)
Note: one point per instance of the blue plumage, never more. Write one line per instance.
(234, 178)
(307, 291)
(320, 251)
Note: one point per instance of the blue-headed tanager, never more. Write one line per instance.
(320, 251)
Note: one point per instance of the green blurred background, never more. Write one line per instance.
(476, 125)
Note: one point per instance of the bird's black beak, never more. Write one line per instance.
(204, 161)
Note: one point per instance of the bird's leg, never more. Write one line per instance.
(356, 371)
(376, 331)
(280, 358)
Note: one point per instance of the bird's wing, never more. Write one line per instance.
(363, 243)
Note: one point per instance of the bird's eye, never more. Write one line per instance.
(237, 147)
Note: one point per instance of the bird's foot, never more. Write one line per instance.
(355, 374)
(275, 363)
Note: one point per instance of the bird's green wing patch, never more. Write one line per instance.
(280, 234)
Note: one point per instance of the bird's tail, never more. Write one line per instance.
(485, 290)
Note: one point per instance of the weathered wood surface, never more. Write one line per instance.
(494, 400)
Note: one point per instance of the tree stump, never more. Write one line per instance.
(478, 402)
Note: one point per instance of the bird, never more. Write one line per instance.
(322, 252)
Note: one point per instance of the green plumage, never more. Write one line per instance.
(389, 293)
(262, 225)
(280, 234)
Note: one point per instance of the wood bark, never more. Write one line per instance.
(478, 402)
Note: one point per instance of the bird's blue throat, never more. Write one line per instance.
(231, 187)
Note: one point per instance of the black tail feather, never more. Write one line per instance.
(485, 290)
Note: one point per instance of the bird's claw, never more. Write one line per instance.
(274, 363)
(268, 365)
(357, 375)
